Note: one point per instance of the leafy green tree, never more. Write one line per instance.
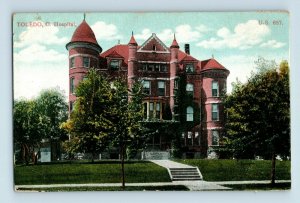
(38, 119)
(90, 122)
(258, 115)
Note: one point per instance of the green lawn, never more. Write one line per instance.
(230, 170)
(99, 172)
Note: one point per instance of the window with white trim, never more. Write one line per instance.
(190, 89)
(146, 87)
(215, 88)
(215, 112)
(161, 88)
(189, 113)
(114, 64)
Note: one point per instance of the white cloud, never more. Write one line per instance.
(146, 33)
(36, 53)
(184, 33)
(39, 35)
(104, 31)
(244, 36)
(272, 44)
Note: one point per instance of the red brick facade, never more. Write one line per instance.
(161, 68)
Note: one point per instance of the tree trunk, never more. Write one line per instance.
(273, 173)
(122, 164)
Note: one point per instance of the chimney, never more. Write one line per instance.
(187, 48)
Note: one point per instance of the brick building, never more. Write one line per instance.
(173, 79)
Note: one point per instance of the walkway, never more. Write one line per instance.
(170, 164)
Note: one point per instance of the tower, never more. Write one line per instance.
(214, 78)
(84, 53)
(132, 61)
(173, 74)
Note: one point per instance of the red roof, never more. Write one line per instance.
(211, 64)
(174, 44)
(132, 41)
(114, 54)
(84, 33)
(182, 56)
(120, 50)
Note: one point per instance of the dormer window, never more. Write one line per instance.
(189, 68)
(114, 64)
(86, 62)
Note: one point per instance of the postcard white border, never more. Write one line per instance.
(6, 167)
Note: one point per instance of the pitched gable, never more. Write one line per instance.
(154, 44)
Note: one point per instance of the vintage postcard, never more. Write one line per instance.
(151, 101)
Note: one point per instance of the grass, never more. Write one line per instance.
(127, 188)
(85, 172)
(277, 186)
(238, 170)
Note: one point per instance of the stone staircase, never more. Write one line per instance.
(185, 174)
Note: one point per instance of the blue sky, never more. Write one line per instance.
(236, 39)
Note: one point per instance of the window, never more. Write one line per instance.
(86, 62)
(145, 110)
(71, 106)
(215, 138)
(156, 67)
(215, 89)
(72, 85)
(153, 47)
(72, 62)
(189, 113)
(189, 68)
(163, 68)
(146, 87)
(175, 84)
(114, 64)
(157, 113)
(150, 67)
(151, 109)
(215, 112)
(161, 88)
(190, 89)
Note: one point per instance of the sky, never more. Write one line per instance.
(235, 39)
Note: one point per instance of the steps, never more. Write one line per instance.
(185, 174)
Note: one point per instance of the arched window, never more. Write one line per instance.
(189, 113)
(190, 89)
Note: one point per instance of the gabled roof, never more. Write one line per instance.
(120, 51)
(182, 56)
(84, 33)
(211, 64)
(154, 39)
(114, 54)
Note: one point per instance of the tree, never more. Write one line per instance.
(127, 114)
(90, 122)
(258, 115)
(105, 113)
(38, 119)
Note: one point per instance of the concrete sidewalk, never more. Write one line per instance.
(170, 164)
(191, 185)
